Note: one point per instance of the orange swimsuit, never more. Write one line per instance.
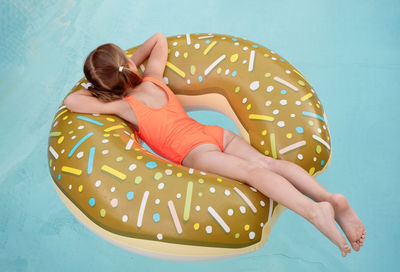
(169, 131)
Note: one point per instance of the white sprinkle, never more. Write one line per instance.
(188, 81)
(54, 153)
(105, 152)
(252, 235)
(262, 142)
(268, 103)
(165, 80)
(208, 229)
(292, 147)
(159, 236)
(236, 43)
(315, 159)
(287, 72)
(160, 186)
(174, 43)
(178, 195)
(230, 212)
(284, 82)
(270, 88)
(262, 203)
(243, 209)
(132, 167)
(176, 53)
(129, 144)
(212, 189)
(276, 111)
(261, 224)
(254, 85)
(98, 183)
(96, 114)
(244, 61)
(292, 115)
(299, 156)
(191, 170)
(112, 189)
(281, 124)
(104, 141)
(175, 218)
(203, 173)
(273, 58)
(157, 201)
(197, 208)
(319, 139)
(298, 103)
(81, 127)
(168, 172)
(188, 39)
(141, 209)
(219, 219)
(245, 199)
(324, 127)
(114, 202)
(73, 137)
(283, 102)
(205, 37)
(55, 123)
(79, 155)
(227, 192)
(70, 122)
(252, 188)
(251, 62)
(212, 65)
(226, 71)
(244, 100)
(197, 46)
(141, 66)
(245, 48)
(125, 218)
(319, 130)
(70, 187)
(62, 151)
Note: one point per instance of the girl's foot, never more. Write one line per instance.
(348, 221)
(322, 217)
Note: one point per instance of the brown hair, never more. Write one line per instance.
(101, 68)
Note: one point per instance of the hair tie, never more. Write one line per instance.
(121, 68)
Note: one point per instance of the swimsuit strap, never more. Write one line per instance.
(157, 82)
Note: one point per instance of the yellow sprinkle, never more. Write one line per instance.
(289, 135)
(129, 55)
(220, 180)
(70, 132)
(264, 132)
(80, 188)
(71, 170)
(201, 181)
(125, 125)
(116, 135)
(61, 113)
(309, 103)
(312, 170)
(205, 52)
(138, 179)
(318, 149)
(169, 50)
(113, 128)
(196, 226)
(102, 212)
(192, 69)
(261, 117)
(266, 152)
(246, 227)
(301, 82)
(110, 119)
(266, 55)
(248, 106)
(106, 134)
(223, 38)
(317, 105)
(139, 157)
(237, 89)
(65, 117)
(200, 194)
(307, 96)
(267, 74)
(219, 70)
(120, 158)
(113, 172)
(175, 69)
(50, 162)
(185, 55)
(179, 174)
(234, 57)
(310, 122)
(273, 147)
(297, 72)
(237, 235)
(60, 140)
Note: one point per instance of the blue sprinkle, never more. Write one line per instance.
(282, 60)
(300, 130)
(151, 164)
(234, 39)
(322, 162)
(200, 78)
(90, 161)
(129, 195)
(207, 41)
(255, 45)
(89, 120)
(156, 217)
(59, 176)
(234, 73)
(283, 92)
(306, 113)
(84, 138)
(92, 201)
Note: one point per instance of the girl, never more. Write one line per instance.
(159, 119)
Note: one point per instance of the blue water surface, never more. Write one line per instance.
(348, 51)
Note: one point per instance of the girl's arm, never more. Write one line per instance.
(83, 102)
(145, 49)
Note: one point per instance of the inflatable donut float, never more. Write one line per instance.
(154, 207)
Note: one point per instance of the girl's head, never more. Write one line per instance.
(101, 68)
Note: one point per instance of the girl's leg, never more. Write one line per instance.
(321, 215)
(305, 183)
